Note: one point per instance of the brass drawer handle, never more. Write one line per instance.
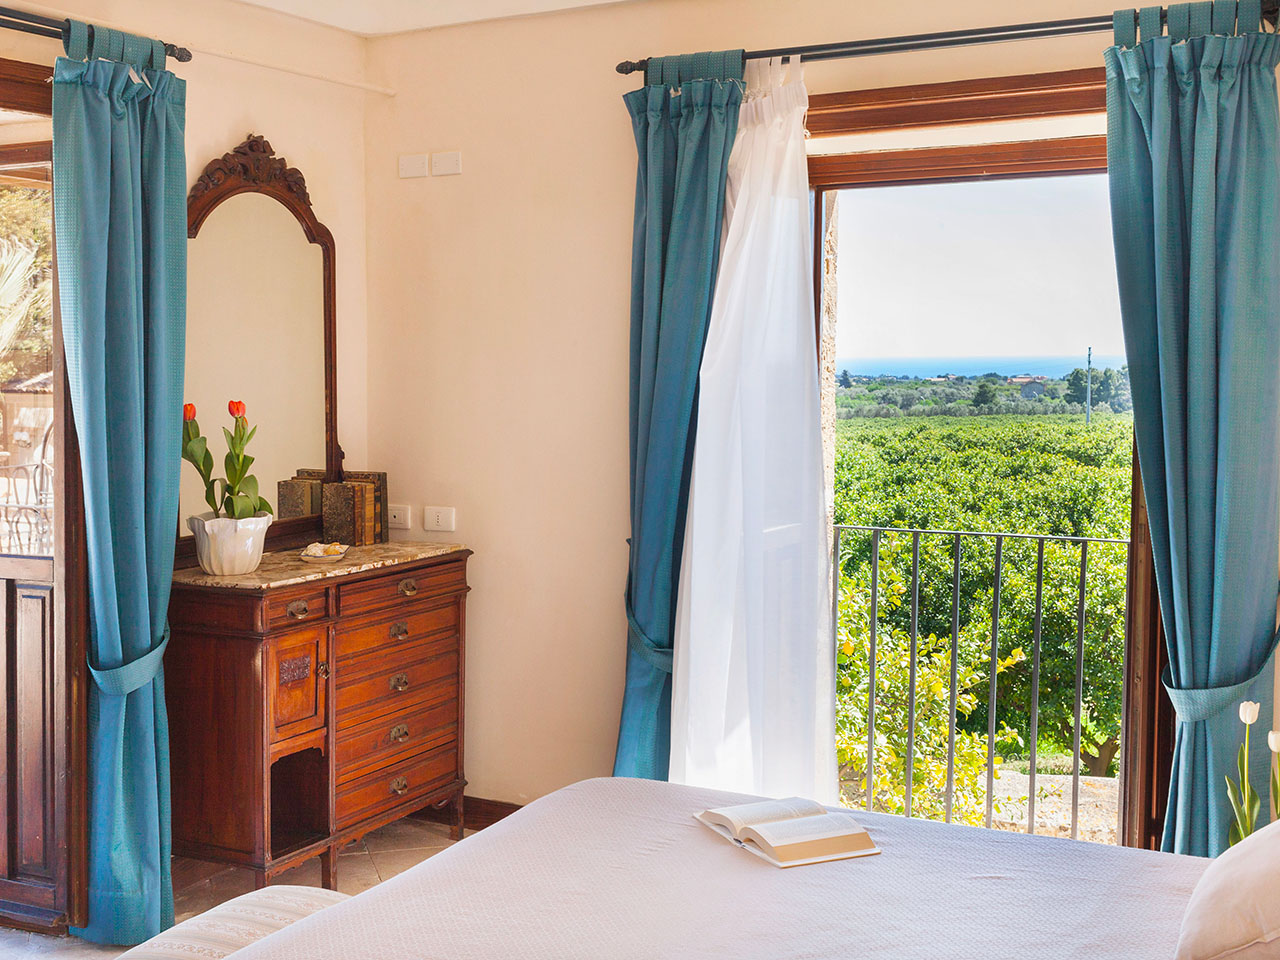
(400, 733)
(399, 682)
(298, 609)
(323, 671)
(400, 786)
(399, 630)
(409, 587)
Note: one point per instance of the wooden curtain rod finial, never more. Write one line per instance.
(631, 66)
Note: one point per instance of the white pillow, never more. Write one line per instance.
(1234, 910)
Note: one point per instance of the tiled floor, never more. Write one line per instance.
(199, 886)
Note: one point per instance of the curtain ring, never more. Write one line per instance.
(75, 40)
(136, 51)
(1249, 16)
(1149, 23)
(687, 67)
(1224, 18)
(1201, 17)
(1124, 28)
(105, 43)
(735, 62)
(670, 72)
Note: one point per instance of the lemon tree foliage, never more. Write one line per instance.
(1005, 474)
(26, 282)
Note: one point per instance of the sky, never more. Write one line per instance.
(984, 268)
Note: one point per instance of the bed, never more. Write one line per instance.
(617, 868)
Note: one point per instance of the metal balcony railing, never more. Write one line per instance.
(998, 559)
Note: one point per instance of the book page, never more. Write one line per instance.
(830, 833)
(743, 815)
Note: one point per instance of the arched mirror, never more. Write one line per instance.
(260, 328)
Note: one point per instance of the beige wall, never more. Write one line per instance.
(498, 321)
(318, 127)
(487, 368)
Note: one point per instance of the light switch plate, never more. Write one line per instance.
(438, 518)
(399, 516)
(446, 164)
(413, 165)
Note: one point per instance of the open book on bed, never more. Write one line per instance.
(790, 832)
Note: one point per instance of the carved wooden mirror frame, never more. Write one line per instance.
(253, 167)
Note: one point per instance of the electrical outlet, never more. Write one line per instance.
(438, 518)
(446, 164)
(398, 516)
(413, 165)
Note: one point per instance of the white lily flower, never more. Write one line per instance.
(1249, 711)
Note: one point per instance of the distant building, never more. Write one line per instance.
(1032, 389)
(1026, 378)
(26, 405)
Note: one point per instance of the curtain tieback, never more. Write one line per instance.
(1197, 704)
(660, 658)
(123, 680)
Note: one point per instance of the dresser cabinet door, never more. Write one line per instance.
(297, 679)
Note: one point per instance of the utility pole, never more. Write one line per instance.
(1088, 388)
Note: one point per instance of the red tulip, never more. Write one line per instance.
(188, 412)
(236, 408)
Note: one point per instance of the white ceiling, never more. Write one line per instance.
(372, 17)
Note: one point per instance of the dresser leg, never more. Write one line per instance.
(259, 879)
(329, 869)
(455, 829)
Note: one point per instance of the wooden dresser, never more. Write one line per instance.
(311, 703)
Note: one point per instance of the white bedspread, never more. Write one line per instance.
(619, 869)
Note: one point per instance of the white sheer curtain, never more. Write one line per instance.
(753, 703)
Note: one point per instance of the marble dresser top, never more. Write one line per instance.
(285, 567)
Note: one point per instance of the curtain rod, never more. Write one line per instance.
(42, 26)
(932, 41)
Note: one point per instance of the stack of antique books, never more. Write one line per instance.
(353, 511)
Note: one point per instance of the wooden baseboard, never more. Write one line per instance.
(477, 812)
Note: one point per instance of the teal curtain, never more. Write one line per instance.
(685, 119)
(1194, 166)
(119, 181)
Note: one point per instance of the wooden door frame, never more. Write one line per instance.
(28, 87)
(1147, 714)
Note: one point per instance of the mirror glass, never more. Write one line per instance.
(255, 333)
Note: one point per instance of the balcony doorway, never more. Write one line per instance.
(982, 477)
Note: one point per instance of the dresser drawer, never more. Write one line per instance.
(297, 671)
(407, 676)
(394, 589)
(403, 626)
(296, 606)
(391, 786)
(376, 743)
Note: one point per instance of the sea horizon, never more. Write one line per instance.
(1053, 367)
